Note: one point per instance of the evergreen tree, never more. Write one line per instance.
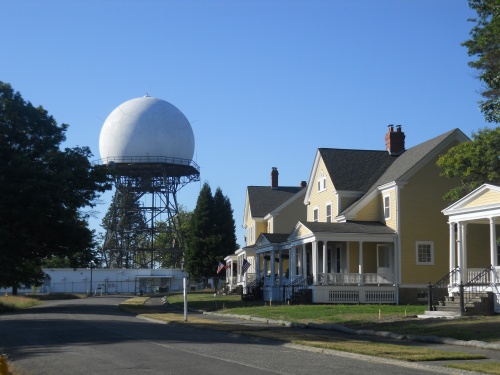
(125, 226)
(168, 239)
(201, 242)
(225, 228)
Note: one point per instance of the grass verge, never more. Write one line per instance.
(12, 303)
(311, 338)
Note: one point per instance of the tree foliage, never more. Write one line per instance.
(474, 163)
(211, 236)
(43, 190)
(484, 45)
(125, 225)
(168, 239)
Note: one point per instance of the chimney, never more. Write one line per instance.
(274, 178)
(303, 184)
(395, 140)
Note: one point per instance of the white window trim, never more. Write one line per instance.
(431, 243)
(389, 206)
(315, 209)
(329, 204)
(321, 182)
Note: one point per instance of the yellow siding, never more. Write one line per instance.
(487, 197)
(371, 211)
(392, 221)
(289, 216)
(353, 257)
(302, 231)
(478, 245)
(320, 199)
(422, 220)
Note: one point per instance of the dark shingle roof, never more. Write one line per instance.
(365, 227)
(405, 162)
(263, 199)
(276, 237)
(355, 170)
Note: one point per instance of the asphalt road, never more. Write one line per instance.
(92, 336)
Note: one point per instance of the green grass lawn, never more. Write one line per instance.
(397, 319)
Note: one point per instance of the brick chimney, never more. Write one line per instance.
(274, 178)
(303, 184)
(395, 140)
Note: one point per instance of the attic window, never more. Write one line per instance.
(321, 182)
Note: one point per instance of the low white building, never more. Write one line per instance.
(108, 281)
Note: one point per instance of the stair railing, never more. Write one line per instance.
(440, 289)
(475, 287)
(290, 290)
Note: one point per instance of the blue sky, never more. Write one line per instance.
(263, 83)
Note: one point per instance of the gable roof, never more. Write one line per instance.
(262, 199)
(366, 227)
(275, 237)
(355, 170)
(409, 162)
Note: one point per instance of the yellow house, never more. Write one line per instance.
(268, 209)
(373, 233)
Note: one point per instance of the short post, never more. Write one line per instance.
(462, 302)
(430, 297)
(185, 300)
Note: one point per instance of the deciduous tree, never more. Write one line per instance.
(43, 190)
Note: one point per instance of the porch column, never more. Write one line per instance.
(493, 250)
(257, 267)
(464, 253)
(291, 264)
(304, 260)
(265, 267)
(361, 281)
(460, 255)
(453, 260)
(325, 262)
(315, 262)
(272, 267)
(280, 265)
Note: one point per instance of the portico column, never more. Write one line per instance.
(460, 253)
(257, 267)
(361, 282)
(493, 249)
(280, 265)
(315, 261)
(304, 260)
(265, 267)
(272, 267)
(325, 261)
(292, 260)
(453, 259)
(464, 254)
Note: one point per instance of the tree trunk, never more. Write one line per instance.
(14, 290)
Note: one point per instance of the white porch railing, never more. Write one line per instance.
(355, 279)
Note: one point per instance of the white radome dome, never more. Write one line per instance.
(145, 128)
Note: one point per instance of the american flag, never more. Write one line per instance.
(221, 267)
(245, 266)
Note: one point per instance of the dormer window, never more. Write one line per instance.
(321, 182)
(387, 207)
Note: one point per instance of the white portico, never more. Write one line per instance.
(473, 226)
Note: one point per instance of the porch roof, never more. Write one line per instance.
(349, 227)
(276, 237)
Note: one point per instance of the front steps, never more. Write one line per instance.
(482, 304)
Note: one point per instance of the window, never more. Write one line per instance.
(321, 182)
(329, 213)
(425, 252)
(387, 207)
(315, 214)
